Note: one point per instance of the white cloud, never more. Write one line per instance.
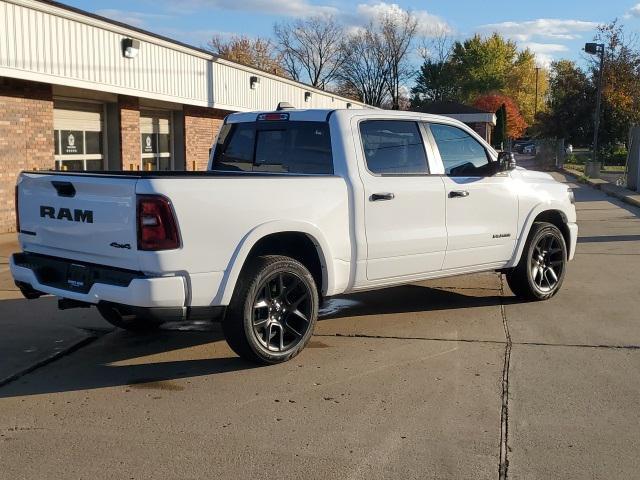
(544, 52)
(551, 28)
(428, 23)
(633, 11)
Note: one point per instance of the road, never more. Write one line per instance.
(443, 379)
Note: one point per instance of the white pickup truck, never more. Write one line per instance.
(297, 206)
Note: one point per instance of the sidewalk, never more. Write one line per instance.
(611, 189)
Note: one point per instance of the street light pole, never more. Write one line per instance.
(535, 110)
(595, 49)
(596, 123)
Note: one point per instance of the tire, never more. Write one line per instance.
(128, 322)
(265, 322)
(543, 264)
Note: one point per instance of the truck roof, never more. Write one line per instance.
(323, 114)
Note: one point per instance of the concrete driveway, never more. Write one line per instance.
(445, 379)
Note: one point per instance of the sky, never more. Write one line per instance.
(553, 29)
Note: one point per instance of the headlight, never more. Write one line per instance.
(572, 197)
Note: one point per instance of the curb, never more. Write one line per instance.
(624, 194)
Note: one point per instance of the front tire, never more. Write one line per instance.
(273, 310)
(543, 264)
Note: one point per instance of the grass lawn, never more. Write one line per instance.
(606, 168)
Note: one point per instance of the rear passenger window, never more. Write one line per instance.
(278, 147)
(393, 147)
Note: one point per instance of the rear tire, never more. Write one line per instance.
(273, 310)
(543, 264)
(128, 322)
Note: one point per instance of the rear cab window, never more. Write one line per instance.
(393, 147)
(296, 147)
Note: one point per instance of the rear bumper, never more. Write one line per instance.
(147, 292)
(573, 235)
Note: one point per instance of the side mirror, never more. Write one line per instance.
(506, 161)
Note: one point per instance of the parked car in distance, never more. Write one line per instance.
(296, 206)
(529, 149)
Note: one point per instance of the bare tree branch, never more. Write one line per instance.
(259, 52)
(311, 49)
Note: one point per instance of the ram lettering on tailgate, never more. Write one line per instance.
(78, 215)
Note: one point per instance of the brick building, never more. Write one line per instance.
(82, 92)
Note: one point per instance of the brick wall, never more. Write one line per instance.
(26, 138)
(201, 126)
(130, 149)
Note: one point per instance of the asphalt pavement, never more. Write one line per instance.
(452, 378)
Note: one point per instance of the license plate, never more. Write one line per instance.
(77, 276)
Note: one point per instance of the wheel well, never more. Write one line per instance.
(557, 218)
(297, 245)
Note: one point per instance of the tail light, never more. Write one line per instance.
(157, 227)
(17, 212)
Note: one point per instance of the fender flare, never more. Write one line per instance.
(239, 257)
(526, 228)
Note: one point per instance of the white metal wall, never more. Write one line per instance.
(231, 87)
(45, 43)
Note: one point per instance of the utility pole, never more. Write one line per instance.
(596, 49)
(535, 110)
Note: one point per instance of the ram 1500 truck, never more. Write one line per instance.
(296, 206)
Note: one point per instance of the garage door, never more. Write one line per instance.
(78, 135)
(155, 132)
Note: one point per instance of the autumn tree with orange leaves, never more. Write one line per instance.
(516, 125)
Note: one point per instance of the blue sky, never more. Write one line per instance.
(551, 28)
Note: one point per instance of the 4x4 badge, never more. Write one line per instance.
(120, 245)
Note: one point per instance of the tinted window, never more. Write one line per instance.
(281, 147)
(393, 147)
(234, 150)
(462, 155)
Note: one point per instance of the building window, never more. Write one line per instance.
(155, 140)
(78, 136)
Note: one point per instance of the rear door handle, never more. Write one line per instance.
(458, 194)
(376, 197)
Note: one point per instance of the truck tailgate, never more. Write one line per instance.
(80, 217)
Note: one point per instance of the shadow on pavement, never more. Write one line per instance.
(407, 299)
(153, 360)
(119, 358)
(609, 238)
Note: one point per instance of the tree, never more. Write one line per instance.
(521, 84)
(621, 84)
(436, 82)
(516, 125)
(259, 52)
(311, 49)
(500, 132)
(398, 30)
(483, 65)
(366, 66)
(570, 105)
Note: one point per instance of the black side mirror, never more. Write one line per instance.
(506, 161)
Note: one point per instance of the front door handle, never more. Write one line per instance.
(376, 197)
(458, 194)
